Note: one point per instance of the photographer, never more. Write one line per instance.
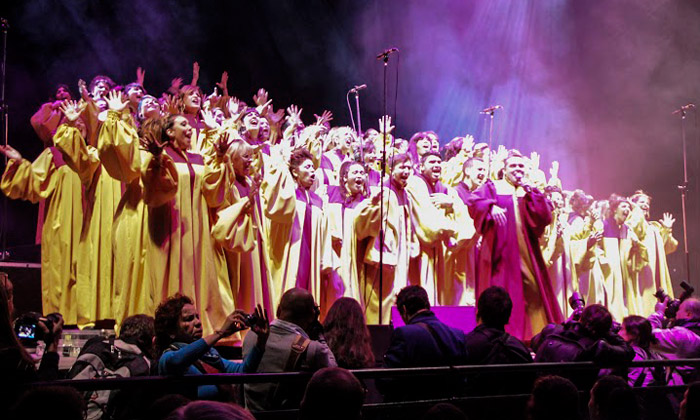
(681, 340)
(591, 339)
(296, 343)
(183, 350)
(16, 366)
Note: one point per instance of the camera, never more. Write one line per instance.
(251, 319)
(577, 303)
(674, 304)
(28, 330)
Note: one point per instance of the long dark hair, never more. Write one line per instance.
(8, 338)
(639, 330)
(347, 334)
(166, 320)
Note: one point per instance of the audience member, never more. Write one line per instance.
(489, 343)
(690, 406)
(682, 339)
(423, 341)
(162, 407)
(444, 411)
(17, 367)
(347, 334)
(49, 402)
(296, 343)
(333, 393)
(613, 399)
(210, 410)
(183, 350)
(553, 398)
(593, 339)
(129, 355)
(636, 331)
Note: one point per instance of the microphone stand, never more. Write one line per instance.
(359, 124)
(4, 26)
(684, 193)
(385, 59)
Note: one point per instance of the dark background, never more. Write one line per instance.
(591, 84)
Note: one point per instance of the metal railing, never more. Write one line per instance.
(242, 378)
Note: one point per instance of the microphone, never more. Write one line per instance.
(490, 109)
(683, 108)
(356, 88)
(384, 55)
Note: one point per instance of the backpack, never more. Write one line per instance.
(101, 358)
(560, 348)
(505, 349)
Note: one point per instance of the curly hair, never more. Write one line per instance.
(347, 334)
(299, 156)
(167, 318)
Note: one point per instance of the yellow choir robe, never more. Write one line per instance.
(460, 260)
(400, 245)
(101, 195)
(49, 178)
(556, 252)
(45, 122)
(658, 241)
(431, 225)
(181, 253)
(622, 257)
(238, 232)
(285, 206)
(342, 213)
(121, 158)
(586, 271)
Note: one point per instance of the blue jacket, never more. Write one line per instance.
(181, 359)
(414, 345)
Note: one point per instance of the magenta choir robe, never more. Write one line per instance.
(515, 263)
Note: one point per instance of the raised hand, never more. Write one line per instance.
(499, 215)
(501, 153)
(115, 101)
(667, 221)
(468, 143)
(222, 144)
(170, 104)
(535, 160)
(175, 85)
(82, 88)
(385, 124)
(73, 109)
(236, 108)
(325, 117)
(10, 152)
(261, 327)
(554, 170)
(140, 75)
(150, 143)
(294, 114)
(195, 73)
(223, 83)
(209, 120)
(261, 97)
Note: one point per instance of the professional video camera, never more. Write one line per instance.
(28, 330)
(674, 304)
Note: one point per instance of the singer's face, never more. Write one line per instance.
(557, 200)
(402, 172)
(423, 146)
(355, 181)
(515, 170)
(644, 203)
(476, 172)
(431, 168)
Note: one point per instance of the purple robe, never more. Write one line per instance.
(499, 258)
